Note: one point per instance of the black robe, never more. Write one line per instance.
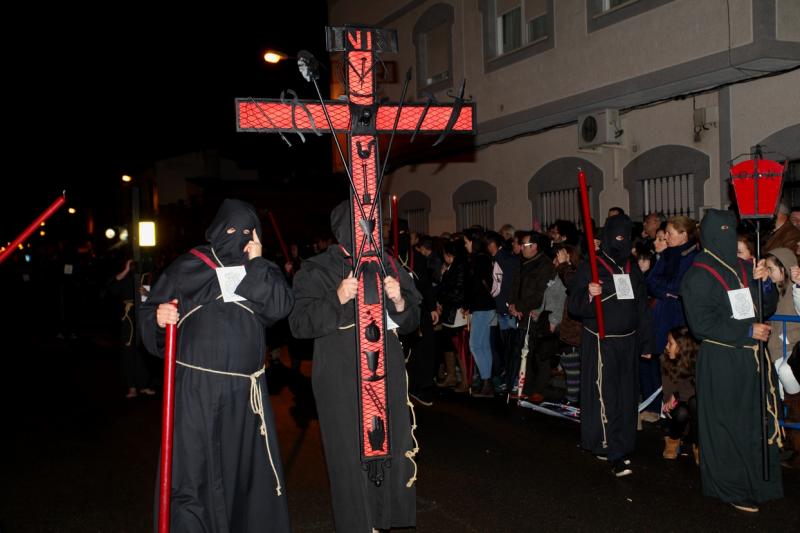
(627, 319)
(222, 479)
(727, 379)
(358, 505)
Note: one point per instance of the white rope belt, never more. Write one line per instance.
(256, 405)
(599, 382)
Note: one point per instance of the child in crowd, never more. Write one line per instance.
(677, 379)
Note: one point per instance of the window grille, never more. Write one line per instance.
(671, 195)
(417, 220)
(564, 204)
(475, 213)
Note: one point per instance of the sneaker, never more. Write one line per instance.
(620, 468)
(746, 506)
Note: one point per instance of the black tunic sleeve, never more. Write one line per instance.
(317, 311)
(163, 291)
(265, 287)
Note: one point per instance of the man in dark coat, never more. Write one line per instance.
(226, 471)
(325, 308)
(610, 367)
(727, 371)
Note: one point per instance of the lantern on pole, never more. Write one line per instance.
(757, 186)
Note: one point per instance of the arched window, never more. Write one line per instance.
(667, 179)
(474, 204)
(415, 207)
(553, 190)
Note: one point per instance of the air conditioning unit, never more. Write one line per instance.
(600, 127)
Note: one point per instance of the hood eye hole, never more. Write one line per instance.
(724, 227)
(230, 231)
(246, 231)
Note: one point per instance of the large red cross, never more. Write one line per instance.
(362, 119)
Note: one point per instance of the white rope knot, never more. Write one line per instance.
(256, 405)
(410, 454)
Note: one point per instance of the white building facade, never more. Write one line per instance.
(651, 98)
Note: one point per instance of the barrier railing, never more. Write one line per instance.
(784, 319)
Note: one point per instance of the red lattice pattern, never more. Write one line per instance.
(360, 77)
(272, 115)
(435, 119)
(373, 393)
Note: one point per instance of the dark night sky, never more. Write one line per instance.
(88, 101)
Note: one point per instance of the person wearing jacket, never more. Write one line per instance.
(481, 307)
(663, 286)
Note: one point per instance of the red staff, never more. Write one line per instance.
(35, 224)
(395, 228)
(587, 225)
(167, 425)
(280, 238)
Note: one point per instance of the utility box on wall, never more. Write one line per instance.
(598, 128)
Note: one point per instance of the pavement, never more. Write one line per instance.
(76, 456)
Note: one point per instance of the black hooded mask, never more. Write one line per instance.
(342, 226)
(618, 250)
(241, 216)
(718, 235)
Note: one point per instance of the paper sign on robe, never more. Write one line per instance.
(742, 304)
(147, 290)
(622, 284)
(229, 278)
(67, 269)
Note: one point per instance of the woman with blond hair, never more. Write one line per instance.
(663, 284)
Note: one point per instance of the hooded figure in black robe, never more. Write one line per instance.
(225, 478)
(727, 375)
(358, 505)
(609, 412)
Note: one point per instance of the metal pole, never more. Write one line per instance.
(764, 363)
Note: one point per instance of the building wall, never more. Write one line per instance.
(667, 42)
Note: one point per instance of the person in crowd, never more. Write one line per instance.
(794, 216)
(645, 257)
(481, 307)
(451, 299)
(780, 262)
(660, 242)
(615, 211)
(507, 232)
(650, 226)
(525, 302)
(505, 266)
(727, 375)
(563, 232)
(680, 405)
(325, 308)
(663, 284)
(226, 471)
(609, 366)
(566, 263)
(745, 246)
(135, 371)
(784, 234)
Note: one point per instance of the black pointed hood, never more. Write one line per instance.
(342, 225)
(618, 250)
(718, 235)
(237, 214)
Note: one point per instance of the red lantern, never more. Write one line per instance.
(757, 184)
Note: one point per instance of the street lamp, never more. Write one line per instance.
(110, 233)
(274, 57)
(147, 233)
(71, 210)
(126, 178)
